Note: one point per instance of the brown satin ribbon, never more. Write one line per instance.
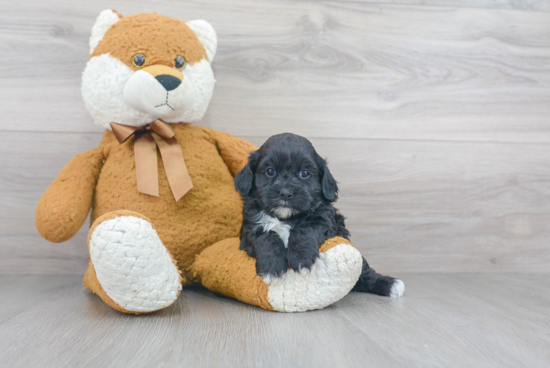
(146, 140)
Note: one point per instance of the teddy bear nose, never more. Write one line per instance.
(169, 82)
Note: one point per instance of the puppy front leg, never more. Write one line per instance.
(303, 249)
(271, 258)
(246, 244)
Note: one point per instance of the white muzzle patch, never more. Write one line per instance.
(145, 93)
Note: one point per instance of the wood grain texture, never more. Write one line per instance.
(411, 206)
(443, 321)
(320, 69)
(528, 5)
(434, 118)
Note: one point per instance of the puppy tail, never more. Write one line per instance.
(372, 282)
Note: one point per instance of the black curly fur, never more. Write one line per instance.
(313, 220)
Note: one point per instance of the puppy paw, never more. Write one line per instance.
(270, 268)
(397, 289)
(388, 286)
(303, 260)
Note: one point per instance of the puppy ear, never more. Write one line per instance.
(328, 184)
(245, 178)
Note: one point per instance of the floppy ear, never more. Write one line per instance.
(102, 24)
(245, 178)
(328, 184)
(206, 35)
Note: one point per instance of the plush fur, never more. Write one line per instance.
(133, 235)
(110, 247)
(134, 96)
(288, 193)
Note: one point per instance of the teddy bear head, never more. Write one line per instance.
(146, 67)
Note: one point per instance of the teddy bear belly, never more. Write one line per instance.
(210, 212)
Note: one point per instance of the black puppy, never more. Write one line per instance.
(288, 193)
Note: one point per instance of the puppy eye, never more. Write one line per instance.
(304, 174)
(180, 63)
(270, 172)
(139, 60)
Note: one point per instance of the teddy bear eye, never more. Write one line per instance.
(180, 62)
(139, 60)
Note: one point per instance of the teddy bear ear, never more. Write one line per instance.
(207, 36)
(102, 24)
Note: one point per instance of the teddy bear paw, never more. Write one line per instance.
(132, 265)
(333, 275)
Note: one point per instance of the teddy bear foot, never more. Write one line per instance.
(130, 268)
(330, 279)
(225, 269)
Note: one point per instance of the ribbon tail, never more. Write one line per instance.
(174, 165)
(145, 152)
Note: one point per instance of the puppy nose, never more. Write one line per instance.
(169, 82)
(285, 194)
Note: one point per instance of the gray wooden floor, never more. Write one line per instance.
(461, 320)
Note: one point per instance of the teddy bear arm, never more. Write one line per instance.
(64, 206)
(234, 151)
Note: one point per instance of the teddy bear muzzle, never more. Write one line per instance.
(158, 90)
(168, 77)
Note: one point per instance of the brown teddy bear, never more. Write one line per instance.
(164, 208)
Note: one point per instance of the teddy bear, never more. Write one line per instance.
(164, 209)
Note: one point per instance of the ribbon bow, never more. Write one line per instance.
(146, 140)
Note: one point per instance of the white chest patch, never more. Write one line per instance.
(274, 224)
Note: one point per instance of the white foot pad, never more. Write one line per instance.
(397, 289)
(331, 278)
(132, 265)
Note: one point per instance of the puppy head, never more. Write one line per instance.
(148, 66)
(287, 177)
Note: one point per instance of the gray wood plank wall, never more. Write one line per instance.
(434, 115)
